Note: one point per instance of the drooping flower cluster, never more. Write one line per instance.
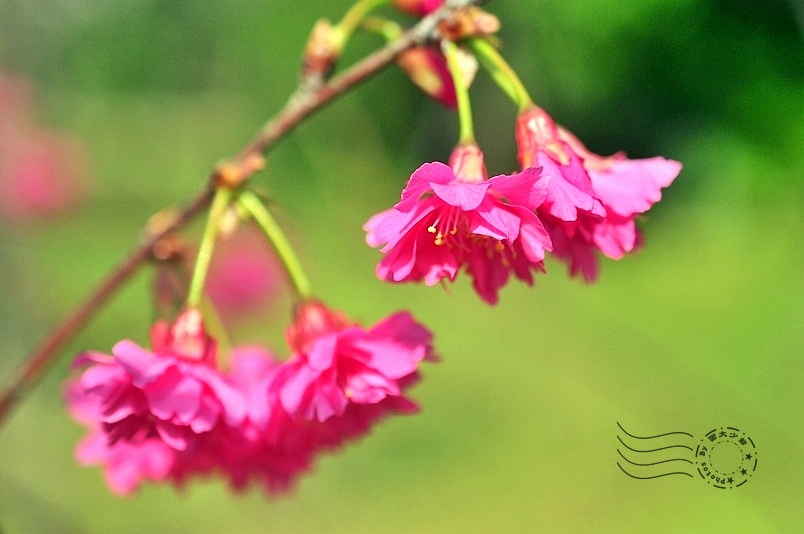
(454, 216)
(591, 201)
(565, 200)
(171, 414)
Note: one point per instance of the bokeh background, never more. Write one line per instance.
(703, 328)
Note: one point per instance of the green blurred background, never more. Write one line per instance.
(702, 328)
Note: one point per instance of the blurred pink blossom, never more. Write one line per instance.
(42, 172)
(244, 275)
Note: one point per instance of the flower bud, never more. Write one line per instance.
(470, 22)
(535, 131)
(467, 163)
(313, 319)
(185, 338)
(427, 69)
(418, 8)
(320, 53)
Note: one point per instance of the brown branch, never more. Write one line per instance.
(246, 163)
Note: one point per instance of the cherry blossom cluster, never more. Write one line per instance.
(172, 413)
(565, 200)
(185, 409)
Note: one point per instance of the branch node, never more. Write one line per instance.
(233, 174)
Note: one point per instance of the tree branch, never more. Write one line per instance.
(299, 107)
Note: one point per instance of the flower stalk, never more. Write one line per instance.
(467, 130)
(351, 21)
(298, 108)
(500, 71)
(223, 196)
(279, 241)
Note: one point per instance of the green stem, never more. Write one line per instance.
(467, 130)
(501, 72)
(388, 29)
(223, 195)
(342, 32)
(279, 241)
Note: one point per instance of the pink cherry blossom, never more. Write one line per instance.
(42, 173)
(591, 201)
(243, 274)
(336, 365)
(125, 465)
(453, 216)
(427, 68)
(268, 446)
(170, 395)
(171, 416)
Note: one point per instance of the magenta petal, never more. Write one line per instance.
(441, 264)
(121, 407)
(295, 387)
(321, 355)
(393, 359)
(489, 275)
(495, 221)
(89, 357)
(206, 417)
(633, 186)
(535, 240)
(527, 188)
(174, 436)
(391, 226)
(84, 408)
(420, 182)
(92, 449)
(370, 388)
(328, 401)
(231, 398)
(466, 196)
(141, 364)
(103, 379)
(162, 399)
(398, 264)
(615, 237)
(564, 199)
(402, 328)
(187, 399)
(250, 364)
